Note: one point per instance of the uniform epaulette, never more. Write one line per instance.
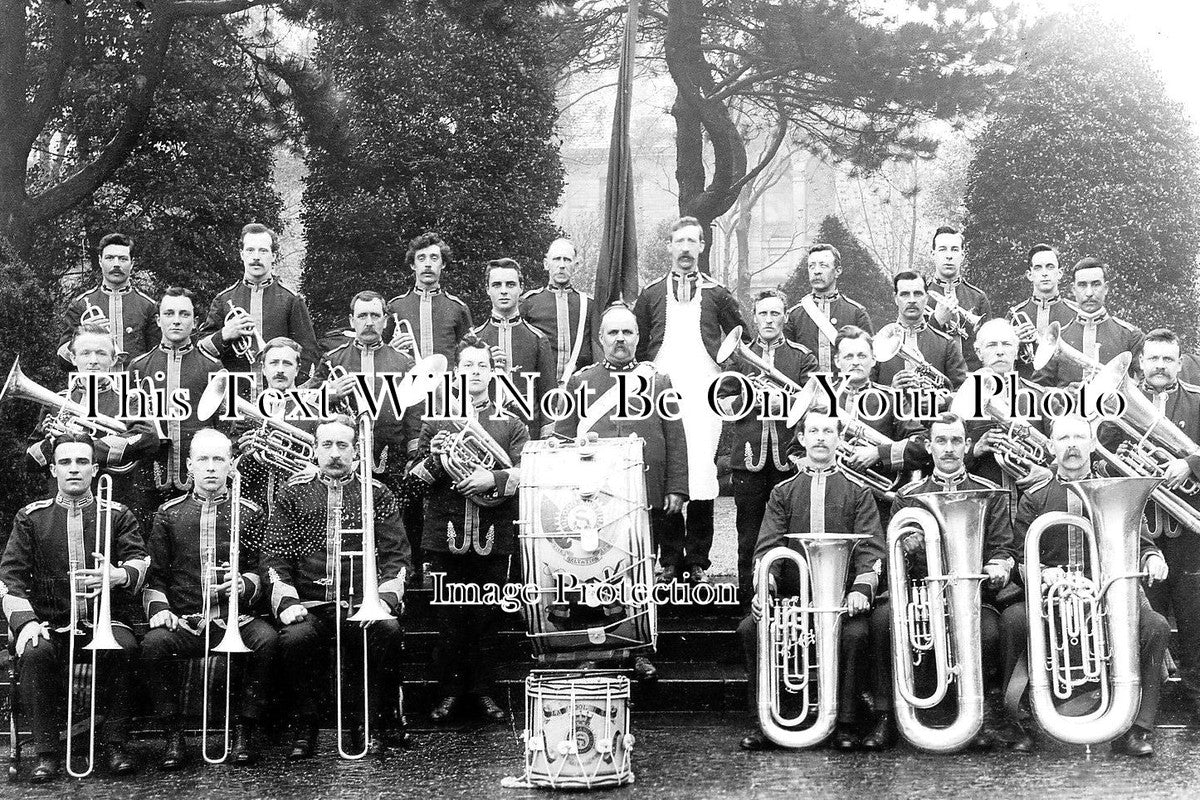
(704, 277)
(910, 487)
(792, 308)
(230, 289)
(454, 298)
(292, 292)
(1191, 387)
(206, 355)
(788, 480)
(657, 280)
(1071, 304)
(1129, 326)
(37, 505)
(174, 501)
(145, 296)
(535, 331)
(250, 504)
(301, 478)
(970, 285)
(853, 302)
(82, 295)
(532, 292)
(115, 505)
(378, 484)
(987, 483)
(942, 334)
(1017, 307)
(339, 348)
(143, 357)
(400, 296)
(796, 346)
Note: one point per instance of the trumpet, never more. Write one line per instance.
(765, 373)
(1028, 343)
(1050, 345)
(102, 627)
(276, 443)
(1083, 628)
(889, 343)
(940, 615)
(408, 328)
(1019, 447)
(232, 641)
(68, 416)
(247, 347)
(798, 639)
(960, 315)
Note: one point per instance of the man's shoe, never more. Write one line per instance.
(1135, 743)
(698, 575)
(644, 671)
(883, 735)
(669, 573)
(377, 746)
(492, 710)
(120, 761)
(844, 739)
(46, 769)
(304, 745)
(443, 709)
(756, 741)
(398, 735)
(176, 755)
(245, 745)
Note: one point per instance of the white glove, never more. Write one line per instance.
(31, 634)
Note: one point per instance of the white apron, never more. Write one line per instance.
(691, 369)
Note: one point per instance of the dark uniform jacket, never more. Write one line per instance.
(555, 312)
(190, 534)
(665, 449)
(260, 481)
(909, 436)
(1041, 313)
(47, 537)
(300, 557)
(278, 311)
(719, 312)
(840, 310)
(844, 507)
(131, 314)
(754, 443)
(528, 351)
(971, 298)
(1113, 337)
(943, 352)
(453, 522)
(439, 320)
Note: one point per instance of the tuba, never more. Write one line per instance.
(889, 343)
(247, 347)
(1050, 345)
(765, 373)
(798, 639)
(1083, 628)
(68, 416)
(276, 443)
(1020, 446)
(939, 615)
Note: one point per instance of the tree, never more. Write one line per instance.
(861, 278)
(1086, 152)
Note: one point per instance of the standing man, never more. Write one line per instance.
(115, 303)
(271, 309)
(561, 311)
(759, 444)
(1045, 306)
(438, 319)
(958, 294)
(816, 319)
(683, 318)
(941, 351)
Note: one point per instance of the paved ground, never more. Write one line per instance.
(683, 757)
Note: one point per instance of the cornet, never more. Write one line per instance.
(959, 315)
(1028, 342)
(406, 326)
(247, 347)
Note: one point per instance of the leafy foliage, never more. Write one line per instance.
(861, 278)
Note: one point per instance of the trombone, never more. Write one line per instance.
(231, 642)
(102, 626)
(247, 347)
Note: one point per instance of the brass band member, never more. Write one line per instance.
(1045, 306)
(1074, 442)
(958, 293)
(305, 541)
(758, 452)
(942, 351)
(48, 538)
(190, 537)
(816, 319)
(116, 304)
(683, 317)
(438, 319)
(819, 499)
(561, 311)
(1094, 332)
(271, 309)
(469, 543)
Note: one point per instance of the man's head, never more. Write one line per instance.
(910, 294)
(336, 440)
(947, 252)
(1043, 271)
(474, 359)
(428, 254)
(504, 285)
(852, 354)
(177, 315)
(996, 345)
(948, 443)
(367, 317)
(819, 436)
(824, 264)
(260, 245)
(560, 262)
(1159, 360)
(116, 259)
(618, 335)
(210, 459)
(685, 243)
(93, 349)
(1090, 284)
(1072, 442)
(769, 312)
(281, 362)
(73, 464)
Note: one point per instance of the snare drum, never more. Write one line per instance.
(585, 543)
(577, 730)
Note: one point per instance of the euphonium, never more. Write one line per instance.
(473, 448)
(939, 615)
(1050, 345)
(276, 443)
(798, 639)
(890, 341)
(855, 433)
(1019, 446)
(69, 416)
(1089, 615)
(247, 347)
(745, 357)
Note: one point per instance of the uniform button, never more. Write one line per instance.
(833, 320)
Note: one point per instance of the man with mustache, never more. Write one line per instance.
(1045, 306)
(942, 351)
(1094, 332)
(438, 319)
(816, 319)
(957, 292)
(126, 311)
(683, 318)
(1074, 442)
(561, 311)
(271, 308)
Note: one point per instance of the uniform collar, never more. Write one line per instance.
(920, 326)
(560, 289)
(1152, 392)
(329, 480)
(778, 342)
(370, 347)
(1045, 302)
(427, 292)
(1095, 318)
(221, 497)
(74, 502)
(808, 468)
(951, 481)
(1063, 479)
(181, 350)
(826, 296)
(611, 367)
(126, 289)
(949, 284)
(498, 320)
(270, 280)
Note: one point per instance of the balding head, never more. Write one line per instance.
(618, 335)
(996, 345)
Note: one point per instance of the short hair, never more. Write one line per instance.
(210, 433)
(617, 305)
(120, 239)
(1074, 417)
(1161, 335)
(949, 418)
(684, 222)
(574, 249)
(367, 296)
(502, 263)
(281, 341)
(944, 229)
(473, 342)
(93, 330)
(818, 411)
(1040, 247)
(820, 247)
(73, 438)
(908, 275)
(850, 332)
(340, 419)
(178, 291)
(427, 239)
(258, 227)
(1091, 262)
(769, 294)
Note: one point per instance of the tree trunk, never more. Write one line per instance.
(742, 288)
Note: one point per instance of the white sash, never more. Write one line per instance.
(818, 316)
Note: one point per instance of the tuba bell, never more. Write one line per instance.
(798, 639)
(746, 358)
(939, 616)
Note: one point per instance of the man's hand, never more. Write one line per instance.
(439, 442)
(237, 326)
(31, 634)
(342, 387)
(906, 379)
(481, 481)
(1026, 332)
(944, 309)
(293, 614)
(756, 609)
(912, 544)
(1176, 472)
(997, 576)
(499, 359)
(165, 619)
(93, 579)
(862, 457)
(857, 603)
(1052, 575)
(674, 503)
(1156, 569)
(1038, 477)
(404, 341)
(987, 442)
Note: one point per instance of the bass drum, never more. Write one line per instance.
(585, 545)
(577, 730)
